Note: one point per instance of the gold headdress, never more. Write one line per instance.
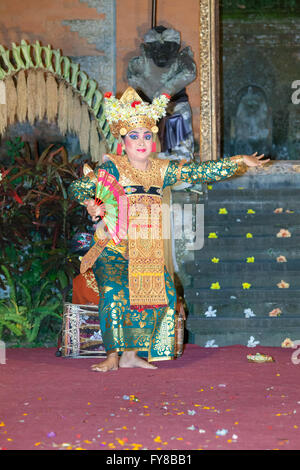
(130, 112)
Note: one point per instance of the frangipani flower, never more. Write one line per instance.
(212, 235)
(275, 312)
(223, 210)
(215, 285)
(287, 343)
(283, 285)
(246, 285)
(252, 343)
(289, 212)
(278, 210)
(250, 259)
(209, 186)
(283, 233)
(215, 260)
(250, 211)
(211, 344)
(210, 312)
(281, 259)
(249, 235)
(249, 313)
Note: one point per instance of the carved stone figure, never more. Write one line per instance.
(163, 68)
(253, 123)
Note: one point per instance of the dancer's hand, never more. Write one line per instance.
(93, 209)
(253, 160)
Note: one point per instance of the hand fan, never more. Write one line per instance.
(112, 195)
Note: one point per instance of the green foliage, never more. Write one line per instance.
(37, 222)
(23, 312)
(259, 9)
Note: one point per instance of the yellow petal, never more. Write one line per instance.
(246, 285)
(215, 285)
(223, 210)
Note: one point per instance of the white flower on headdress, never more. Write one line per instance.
(115, 110)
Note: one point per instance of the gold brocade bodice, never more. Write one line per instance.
(128, 175)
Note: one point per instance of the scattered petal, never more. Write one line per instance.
(275, 312)
(246, 285)
(249, 313)
(250, 211)
(222, 432)
(283, 233)
(191, 428)
(278, 210)
(212, 235)
(250, 259)
(215, 285)
(287, 343)
(210, 312)
(283, 285)
(281, 259)
(211, 344)
(251, 342)
(223, 210)
(215, 260)
(249, 235)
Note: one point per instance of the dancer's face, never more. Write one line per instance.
(138, 144)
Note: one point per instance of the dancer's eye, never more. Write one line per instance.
(147, 136)
(133, 136)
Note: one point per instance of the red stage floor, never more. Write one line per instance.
(210, 399)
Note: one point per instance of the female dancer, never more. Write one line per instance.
(137, 294)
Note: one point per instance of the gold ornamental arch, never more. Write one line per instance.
(38, 82)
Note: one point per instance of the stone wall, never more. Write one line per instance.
(102, 35)
(262, 53)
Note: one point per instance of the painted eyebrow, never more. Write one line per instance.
(137, 133)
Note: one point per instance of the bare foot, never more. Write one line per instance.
(131, 359)
(111, 363)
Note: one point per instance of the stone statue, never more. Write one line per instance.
(253, 124)
(163, 68)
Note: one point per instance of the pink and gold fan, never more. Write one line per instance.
(112, 195)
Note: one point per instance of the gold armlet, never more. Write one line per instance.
(242, 167)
